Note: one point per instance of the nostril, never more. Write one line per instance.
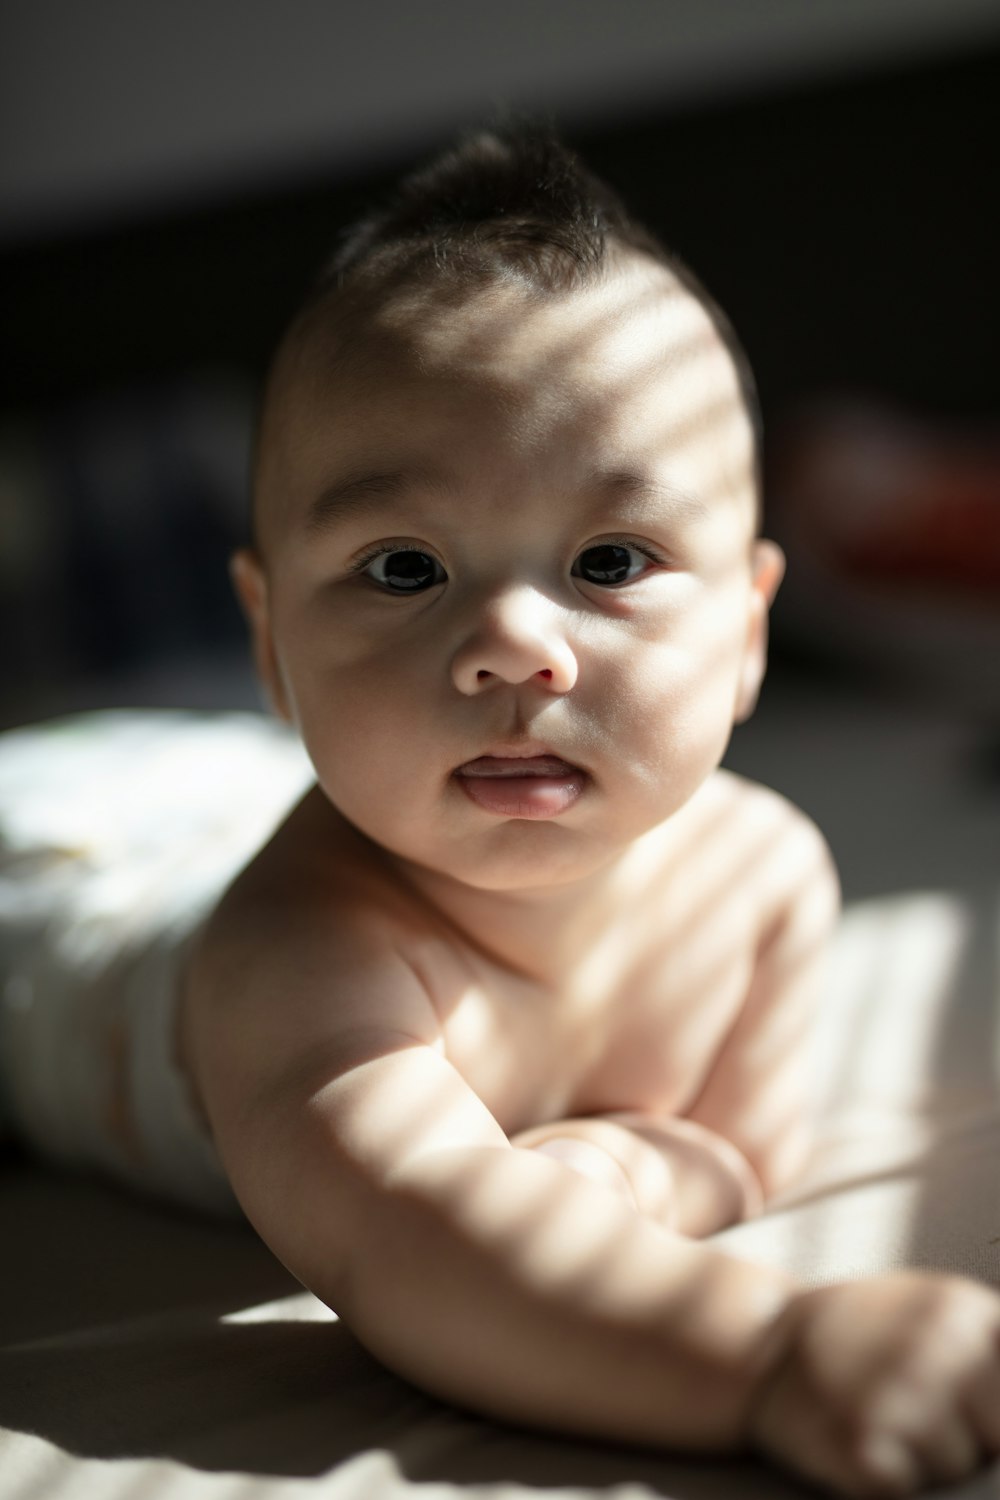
(482, 674)
(546, 672)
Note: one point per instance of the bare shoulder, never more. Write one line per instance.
(301, 972)
(788, 857)
(754, 1095)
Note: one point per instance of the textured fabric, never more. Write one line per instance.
(117, 832)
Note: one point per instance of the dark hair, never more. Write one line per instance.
(509, 204)
(502, 203)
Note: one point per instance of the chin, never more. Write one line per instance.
(527, 856)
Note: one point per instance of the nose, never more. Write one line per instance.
(516, 638)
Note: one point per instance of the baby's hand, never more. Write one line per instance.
(590, 1158)
(676, 1172)
(886, 1386)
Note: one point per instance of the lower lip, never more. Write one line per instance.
(524, 796)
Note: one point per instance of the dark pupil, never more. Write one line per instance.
(409, 570)
(605, 564)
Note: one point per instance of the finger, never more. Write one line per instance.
(881, 1466)
(886, 1465)
(589, 1161)
(950, 1449)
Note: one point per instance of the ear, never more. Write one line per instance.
(250, 584)
(767, 570)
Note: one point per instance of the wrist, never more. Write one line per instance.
(777, 1377)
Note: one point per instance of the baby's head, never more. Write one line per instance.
(505, 506)
(514, 213)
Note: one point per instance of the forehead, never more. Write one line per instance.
(629, 374)
(515, 334)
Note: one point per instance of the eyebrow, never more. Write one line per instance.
(622, 486)
(368, 492)
(365, 492)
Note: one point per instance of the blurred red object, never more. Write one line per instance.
(892, 527)
(894, 499)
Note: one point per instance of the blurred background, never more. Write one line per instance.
(172, 175)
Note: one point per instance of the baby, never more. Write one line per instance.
(511, 1012)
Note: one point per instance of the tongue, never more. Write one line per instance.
(536, 786)
(533, 765)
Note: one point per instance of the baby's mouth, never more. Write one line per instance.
(532, 786)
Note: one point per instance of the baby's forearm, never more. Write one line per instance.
(676, 1172)
(500, 1279)
(495, 1277)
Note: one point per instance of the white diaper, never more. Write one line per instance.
(118, 832)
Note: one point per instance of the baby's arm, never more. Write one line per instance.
(499, 1279)
(490, 1276)
(745, 1137)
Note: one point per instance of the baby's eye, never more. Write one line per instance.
(610, 564)
(404, 571)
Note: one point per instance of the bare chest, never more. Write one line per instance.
(636, 1025)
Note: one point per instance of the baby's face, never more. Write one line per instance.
(514, 530)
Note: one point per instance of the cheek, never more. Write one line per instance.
(680, 691)
(329, 674)
(364, 723)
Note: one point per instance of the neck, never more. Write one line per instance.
(543, 933)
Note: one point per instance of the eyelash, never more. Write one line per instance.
(384, 549)
(645, 548)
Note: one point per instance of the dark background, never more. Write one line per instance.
(848, 226)
(834, 187)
